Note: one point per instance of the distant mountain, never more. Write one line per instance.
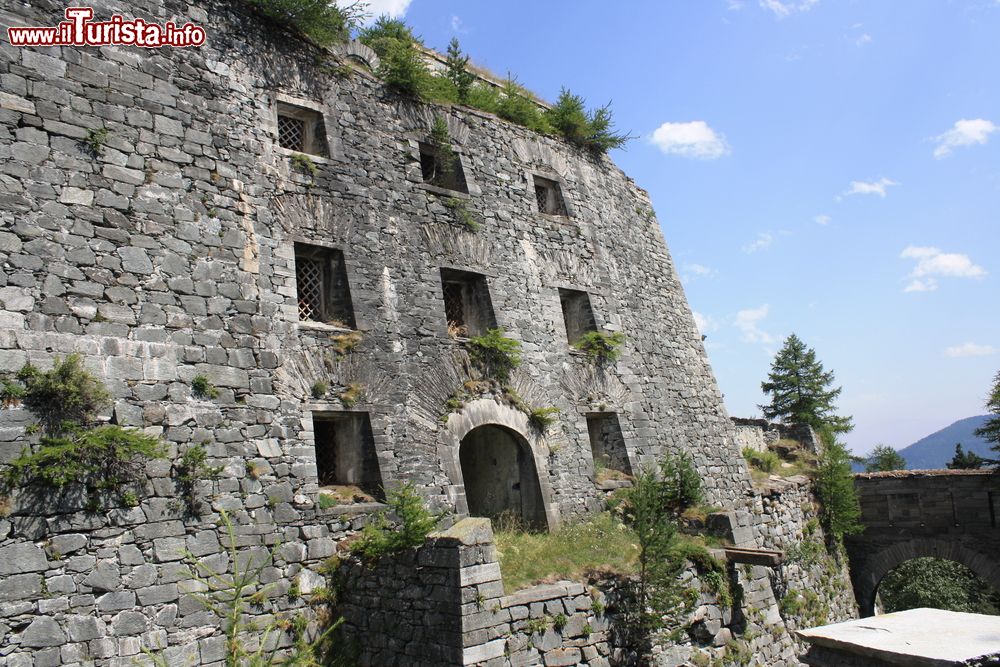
(936, 450)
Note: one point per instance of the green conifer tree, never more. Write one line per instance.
(458, 72)
(990, 431)
(801, 390)
(884, 458)
(964, 460)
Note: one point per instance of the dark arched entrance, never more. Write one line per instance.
(498, 471)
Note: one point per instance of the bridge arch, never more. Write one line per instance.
(875, 567)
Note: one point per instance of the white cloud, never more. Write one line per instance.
(748, 321)
(870, 188)
(457, 25)
(964, 133)
(394, 9)
(691, 271)
(970, 350)
(762, 242)
(736, 5)
(926, 285)
(863, 39)
(694, 139)
(704, 323)
(822, 219)
(786, 8)
(933, 264)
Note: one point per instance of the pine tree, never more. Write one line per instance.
(801, 390)
(964, 460)
(884, 458)
(990, 431)
(458, 72)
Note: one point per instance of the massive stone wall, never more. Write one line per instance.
(169, 253)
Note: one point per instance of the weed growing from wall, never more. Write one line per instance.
(495, 355)
(415, 522)
(74, 450)
(601, 346)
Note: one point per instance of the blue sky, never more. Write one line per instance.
(824, 167)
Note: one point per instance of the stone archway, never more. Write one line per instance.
(499, 476)
(878, 565)
(532, 451)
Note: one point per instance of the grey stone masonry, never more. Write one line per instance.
(151, 223)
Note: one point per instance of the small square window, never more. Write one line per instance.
(324, 294)
(442, 168)
(301, 130)
(467, 304)
(548, 195)
(607, 443)
(578, 316)
(345, 451)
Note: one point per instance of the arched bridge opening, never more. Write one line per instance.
(948, 514)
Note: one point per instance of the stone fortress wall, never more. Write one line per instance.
(176, 251)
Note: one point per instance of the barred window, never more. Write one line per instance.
(301, 130)
(548, 196)
(322, 288)
(467, 305)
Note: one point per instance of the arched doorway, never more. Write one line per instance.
(499, 475)
(940, 583)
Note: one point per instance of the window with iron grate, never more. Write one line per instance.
(468, 308)
(301, 130)
(323, 291)
(549, 197)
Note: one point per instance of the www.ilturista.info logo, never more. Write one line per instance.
(79, 30)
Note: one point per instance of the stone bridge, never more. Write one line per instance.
(951, 514)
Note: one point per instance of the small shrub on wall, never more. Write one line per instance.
(74, 449)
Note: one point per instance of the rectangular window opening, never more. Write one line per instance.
(442, 168)
(324, 294)
(578, 316)
(549, 197)
(345, 452)
(301, 130)
(607, 446)
(467, 305)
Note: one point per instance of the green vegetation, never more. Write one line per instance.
(324, 22)
(964, 460)
(542, 418)
(193, 467)
(462, 215)
(990, 431)
(95, 140)
(319, 389)
(835, 487)
(598, 543)
(305, 164)
(884, 458)
(495, 355)
(938, 583)
(202, 388)
(680, 483)
(230, 596)
(458, 71)
(601, 346)
(591, 130)
(801, 393)
(766, 461)
(800, 389)
(74, 448)
(379, 537)
(403, 69)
